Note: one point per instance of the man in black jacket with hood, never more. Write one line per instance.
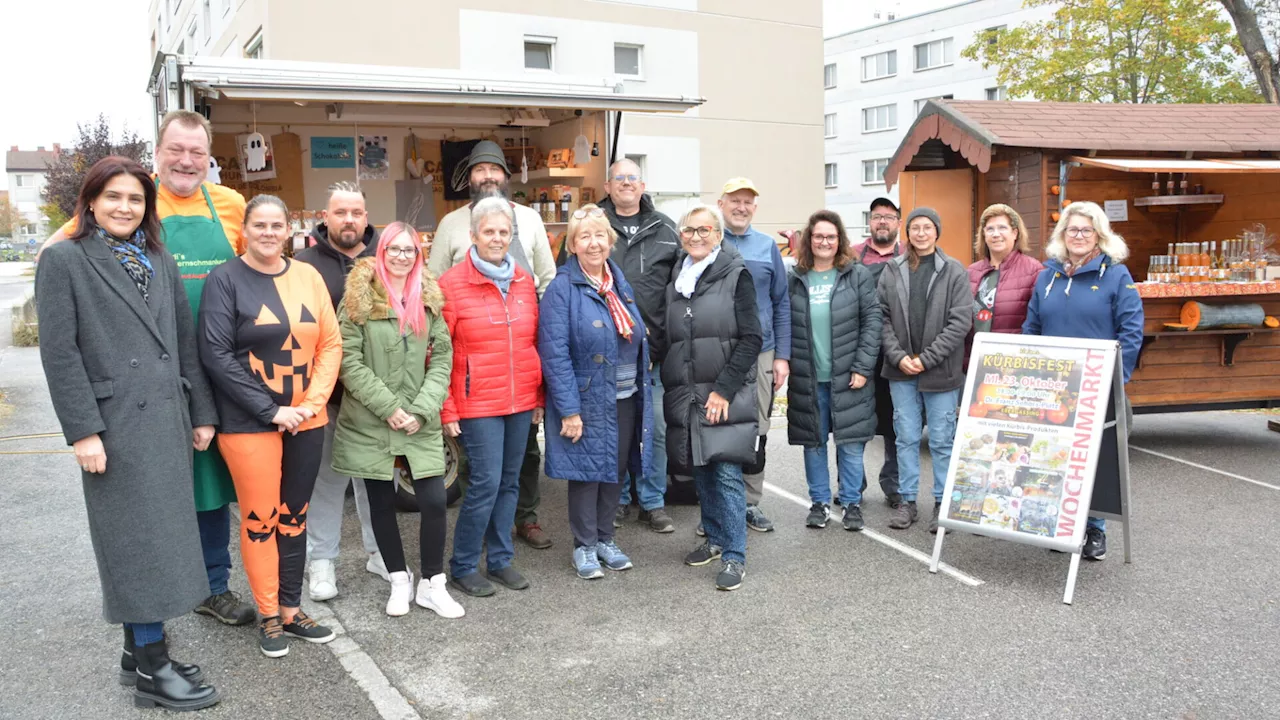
(343, 238)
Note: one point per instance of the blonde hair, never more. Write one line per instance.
(711, 210)
(187, 119)
(1109, 242)
(575, 224)
(980, 248)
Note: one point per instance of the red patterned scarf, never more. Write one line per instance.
(621, 318)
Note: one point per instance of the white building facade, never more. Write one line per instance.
(27, 172)
(878, 78)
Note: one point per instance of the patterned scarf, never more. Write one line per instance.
(1071, 267)
(132, 256)
(622, 319)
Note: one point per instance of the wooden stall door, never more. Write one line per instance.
(950, 192)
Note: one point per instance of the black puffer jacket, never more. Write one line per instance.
(856, 319)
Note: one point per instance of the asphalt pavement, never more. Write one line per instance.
(828, 624)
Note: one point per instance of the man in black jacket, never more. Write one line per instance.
(344, 237)
(647, 249)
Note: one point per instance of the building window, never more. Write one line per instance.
(829, 76)
(206, 18)
(639, 160)
(873, 170)
(880, 65)
(226, 7)
(996, 93)
(539, 53)
(626, 59)
(182, 48)
(29, 229)
(253, 48)
(935, 54)
(991, 32)
(881, 117)
(23, 181)
(866, 222)
(832, 177)
(920, 103)
(192, 31)
(829, 125)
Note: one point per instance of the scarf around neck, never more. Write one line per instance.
(691, 271)
(132, 256)
(621, 318)
(501, 275)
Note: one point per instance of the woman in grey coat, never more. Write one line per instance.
(118, 346)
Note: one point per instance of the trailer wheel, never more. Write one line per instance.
(407, 501)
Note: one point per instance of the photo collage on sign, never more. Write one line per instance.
(1008, 479)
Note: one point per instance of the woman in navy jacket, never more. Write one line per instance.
(595, 361)
(1085, 292)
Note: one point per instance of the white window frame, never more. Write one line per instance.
(946, 49)
(997, 93)
(991, 40)
(206, 19)
(193, 35)
(829, 125)
(891, 118)
(831, 175)
(641, 162)
(866, 223)
(889, 55)
(920, 103)
(878, 166)
(23, 181)
(834, 79)
(226, 7)
(30, 228)
(550, 42)
(253, 48)
(639, 74)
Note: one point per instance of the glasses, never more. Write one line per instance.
(995, 229)
(593, 212)
(825, 239)
(402, 252)
(884, 218)
(626, 178)
(703, 232)
(1081, 232)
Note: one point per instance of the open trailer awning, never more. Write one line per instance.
(1165, 165)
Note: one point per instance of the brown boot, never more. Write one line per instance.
(534, 536)
(904, 516)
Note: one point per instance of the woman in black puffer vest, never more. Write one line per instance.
(835, 337)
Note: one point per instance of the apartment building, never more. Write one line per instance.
(878, 77)
(27, 171)
(740, 59)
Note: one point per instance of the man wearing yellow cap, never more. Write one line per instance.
(764, 262)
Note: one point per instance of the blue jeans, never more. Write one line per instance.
(722, 494)
(495, 449)
(848, 460)
(652, 488)
(215, 541)
(1097, 523)
(911, 408)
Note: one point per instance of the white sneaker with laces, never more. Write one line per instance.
(433, 595)
(401, 589)
(377, 567)
(323, 584)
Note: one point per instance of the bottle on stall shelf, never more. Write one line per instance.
(1213, 261)
(1204, 261)
(1221, 275)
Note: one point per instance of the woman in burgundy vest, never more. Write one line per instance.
(1003, 277)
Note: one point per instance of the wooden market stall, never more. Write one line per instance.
(961, 156)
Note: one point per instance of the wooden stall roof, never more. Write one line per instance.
(1211, 166)
(973, 127)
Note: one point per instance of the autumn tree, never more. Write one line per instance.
(9, 218)
(1123, 51)
(1258, 26)
(66, 173)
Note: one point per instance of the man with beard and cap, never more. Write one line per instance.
(344, 237)
(875, 252)
(488, 176)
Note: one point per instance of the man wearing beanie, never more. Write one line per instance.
(928, 313)
(488, 176)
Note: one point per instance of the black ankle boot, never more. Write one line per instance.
(160, 683)
(129, 664)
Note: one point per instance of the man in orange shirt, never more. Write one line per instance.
(203, 228)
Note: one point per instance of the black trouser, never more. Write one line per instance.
(592, 504)
(430, 493)
(884, 426)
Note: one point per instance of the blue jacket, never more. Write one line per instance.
(764, 262)
(1100, 302)
(578, 344)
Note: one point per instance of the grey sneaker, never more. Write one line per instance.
(228, 608)
(904, 516)
(304, 628)
(819, 514)
(731, 575)
(700, 531)
(852, 518)
(702, 555)
(658, 519)
(612, 556)
(757, 521)
(622, 515)
(271, 639)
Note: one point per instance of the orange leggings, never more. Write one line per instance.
(274, 473)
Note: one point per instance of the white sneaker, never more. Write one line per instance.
(401, 588)
(433, 595)
(323, 583)
(377, 567)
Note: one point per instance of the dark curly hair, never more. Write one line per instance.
(804, 249)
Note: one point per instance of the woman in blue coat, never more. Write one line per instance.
(1085, 291)
(595, 361)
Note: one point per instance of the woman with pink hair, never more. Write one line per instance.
(396, 362)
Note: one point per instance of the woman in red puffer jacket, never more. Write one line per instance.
(1004, 276)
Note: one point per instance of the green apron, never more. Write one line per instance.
(199, 244)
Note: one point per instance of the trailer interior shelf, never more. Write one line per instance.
(1178, 201)
(1230, 340)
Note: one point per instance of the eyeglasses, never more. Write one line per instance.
(703, 232)
(825, 239)
(402, 252)
(995, 229)
(593, 212)
(1081, 232)
(884, 218)
(626, 178)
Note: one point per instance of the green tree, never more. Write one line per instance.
(1258, 25)
(66, 174)
(1123, 51)
(9, 218)
(54, 215)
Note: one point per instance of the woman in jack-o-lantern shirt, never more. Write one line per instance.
(270, 342)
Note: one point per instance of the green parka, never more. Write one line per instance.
(383, 371)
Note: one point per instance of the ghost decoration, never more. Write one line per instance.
(215, 172)
(256, 155)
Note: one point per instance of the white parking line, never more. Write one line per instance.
(386, 697)
(1205, 467)
(907, 550)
